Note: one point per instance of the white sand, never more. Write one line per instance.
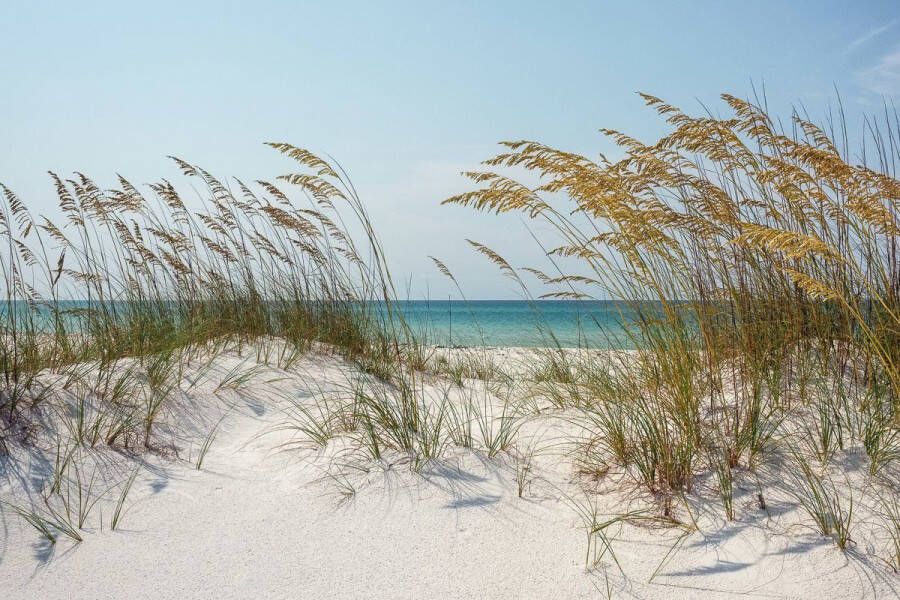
(263, 520)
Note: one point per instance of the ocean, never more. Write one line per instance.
(544, 323)
(596, 324)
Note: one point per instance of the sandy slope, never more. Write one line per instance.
(263, 520)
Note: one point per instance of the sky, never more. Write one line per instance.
(405, 95)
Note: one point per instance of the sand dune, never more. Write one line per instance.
(271, 516)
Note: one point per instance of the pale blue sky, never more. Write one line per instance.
(405, 95)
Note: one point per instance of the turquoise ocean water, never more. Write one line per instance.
(597, 324)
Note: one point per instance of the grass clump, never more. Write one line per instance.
(149, 277)
(105, 311)
(757, 275)
(820, 498)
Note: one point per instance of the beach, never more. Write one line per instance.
(269, 514)
(213, 388)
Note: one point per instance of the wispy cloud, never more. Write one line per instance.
(883, 77)
(871, 34)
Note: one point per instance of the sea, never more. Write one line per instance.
(544, 323)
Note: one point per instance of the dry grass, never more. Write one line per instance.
(163, 281)
(762, 270)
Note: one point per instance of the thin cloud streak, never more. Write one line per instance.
(871, 34)
(884, 77)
